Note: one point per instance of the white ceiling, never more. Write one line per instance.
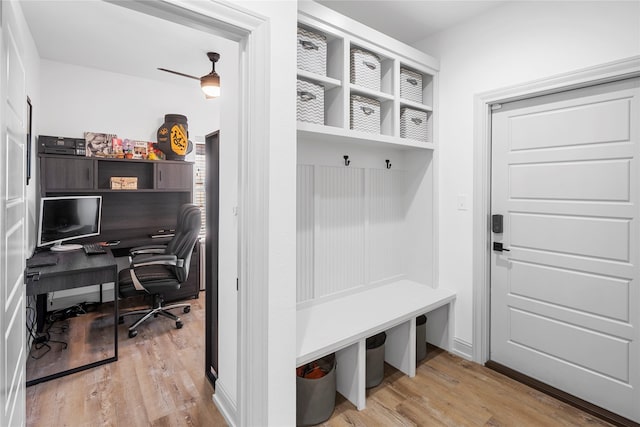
(105, 36)
(413, 20)
(109, 37)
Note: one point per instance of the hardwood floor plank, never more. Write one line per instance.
(159, 381)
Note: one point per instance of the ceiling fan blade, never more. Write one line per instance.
(180, 74)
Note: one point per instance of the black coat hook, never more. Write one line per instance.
(346, 160)
(388, 164)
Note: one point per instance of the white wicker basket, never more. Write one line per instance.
(414, 124)
(365, 114)
(310, 106)
(312, 52)
(365, 69)
(410, 85)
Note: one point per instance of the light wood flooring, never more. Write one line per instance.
(76, 341)
(159, 381)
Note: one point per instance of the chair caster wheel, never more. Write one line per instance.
(179, 325)
(186, 309)
(133, 333)
(120, 320)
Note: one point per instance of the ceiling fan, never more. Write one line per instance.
(209, 83)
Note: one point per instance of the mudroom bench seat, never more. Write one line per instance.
(343, 324)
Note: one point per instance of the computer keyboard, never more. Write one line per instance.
(93, 249)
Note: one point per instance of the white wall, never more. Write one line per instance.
(77, 99)
(511, 44)
(32, 66)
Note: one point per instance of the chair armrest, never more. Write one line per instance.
(147, 249)
(170, 259)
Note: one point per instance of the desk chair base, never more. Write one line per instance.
(158, 309)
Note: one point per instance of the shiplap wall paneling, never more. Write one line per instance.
(385, 225)
(305, 230)
(339, 229)
(420, 258)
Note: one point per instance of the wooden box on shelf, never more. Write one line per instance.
(124, 183)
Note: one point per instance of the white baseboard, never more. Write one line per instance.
(463, 349)
(225, 404)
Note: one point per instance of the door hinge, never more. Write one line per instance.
(496, 107)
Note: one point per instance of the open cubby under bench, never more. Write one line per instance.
(343, 324)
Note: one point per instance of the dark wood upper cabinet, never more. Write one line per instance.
(174, 176)
(73, 174)
(67, 173)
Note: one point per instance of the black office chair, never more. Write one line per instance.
(156, 269)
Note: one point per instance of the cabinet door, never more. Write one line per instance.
(174, 176)
(66, 174)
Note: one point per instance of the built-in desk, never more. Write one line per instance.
(75, 269)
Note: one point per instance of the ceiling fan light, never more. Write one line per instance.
(210, 85)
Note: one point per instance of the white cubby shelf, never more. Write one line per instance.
(341, 37)
(366, 212)
(323, 133)
(342, 326)
(327, 82)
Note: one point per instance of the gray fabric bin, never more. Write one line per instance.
(312, 51)
(316, 398)
(375, 359)
(421, 338)
(410, 85)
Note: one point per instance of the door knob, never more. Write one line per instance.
(497, 246)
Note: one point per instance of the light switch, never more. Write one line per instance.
(463, 203)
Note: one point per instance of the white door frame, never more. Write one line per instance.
(252, 31)
(612, 71)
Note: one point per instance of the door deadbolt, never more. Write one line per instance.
(496, 223)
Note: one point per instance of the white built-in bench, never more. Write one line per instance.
(342, 325)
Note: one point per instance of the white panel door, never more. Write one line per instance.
(565, 299)
(12, 223)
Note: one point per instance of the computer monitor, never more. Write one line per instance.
(66, 218)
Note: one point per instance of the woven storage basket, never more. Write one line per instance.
(365, 69)
(414, 124)
(312, 51)
(365, 114)
(410, 85)
(310, 106)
